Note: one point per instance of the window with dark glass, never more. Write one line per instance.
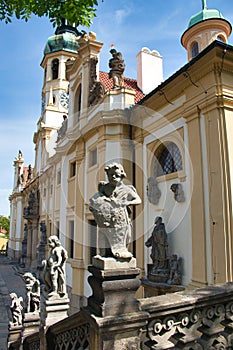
(77, 103)
(72, 169)
(169, 159)
(195, 49)
(55, 67)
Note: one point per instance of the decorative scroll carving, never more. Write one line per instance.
(54, 269)
(117, 65)
(16, 310)
(75, 338)
(153, 192)
(178, 192)
(96, 88)
(32, 292)
(111, 212)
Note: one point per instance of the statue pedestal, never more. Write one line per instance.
(14, 335)
(152, 289)
(114, 284)
(55, 309)
(31, 323)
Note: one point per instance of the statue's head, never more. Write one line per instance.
(54, 241)
(158, 220)
(115, 173)
(28, 277)
(13, 296)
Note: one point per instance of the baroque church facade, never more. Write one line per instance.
(172, 137)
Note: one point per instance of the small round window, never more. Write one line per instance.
(168, 159)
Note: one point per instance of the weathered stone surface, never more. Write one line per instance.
(113, 291)
(55, 310)
(111, 263)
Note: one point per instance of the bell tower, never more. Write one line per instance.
(205, 27)
(59, 49)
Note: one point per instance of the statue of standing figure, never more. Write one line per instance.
(32, 292)
(16, 310)
(54, 268)
(158, 242)
(110, 207)
(117, 65)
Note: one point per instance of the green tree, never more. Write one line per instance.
(76, 12)
(5, 224)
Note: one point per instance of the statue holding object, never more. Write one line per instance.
(117, 65)
(110, 207)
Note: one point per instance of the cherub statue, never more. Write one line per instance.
(110, 207)
(54, 268)
(33, 292)
(16, 310)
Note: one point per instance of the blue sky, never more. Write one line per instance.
(129, 24)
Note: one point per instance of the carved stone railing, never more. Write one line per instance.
(198, 320)
(71, 333)
(32, 342)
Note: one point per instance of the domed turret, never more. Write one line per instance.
(65, 38)
(204, 27)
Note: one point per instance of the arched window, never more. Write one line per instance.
(168, 159)
(195, 49)
(55, 67)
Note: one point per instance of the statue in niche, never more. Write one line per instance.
(159, 246)
(54, 268)
(96, 88)
(16, 310)
(153, 192)
(117, 65)
(178, 192)
(175, 276)
(110, 207)
(32, 293)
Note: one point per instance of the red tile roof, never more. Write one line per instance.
(129, 83)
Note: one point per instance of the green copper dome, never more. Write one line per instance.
(65, 39)
(205, 14)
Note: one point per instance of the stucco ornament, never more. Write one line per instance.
(32, 292)
(110, 207)
(54, 269)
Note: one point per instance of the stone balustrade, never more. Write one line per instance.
(198, 319)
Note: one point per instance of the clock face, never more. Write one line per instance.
(64, 99)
